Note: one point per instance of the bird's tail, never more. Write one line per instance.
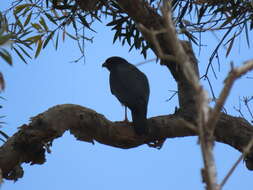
(140, 122)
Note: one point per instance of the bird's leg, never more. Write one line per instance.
(126, 120)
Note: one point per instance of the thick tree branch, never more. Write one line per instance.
(29, 144)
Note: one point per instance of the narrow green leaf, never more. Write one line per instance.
(43, 23)
(247, 34)
(63, 35)
(24, 33)
(25, 44)
(116, 35)
(85, 23)
(2, 87)
(47, 3)
(34, 39)
(26, 11)
(230, 45)
(24, 51)
(123, 41)
(117, 22)
(49, 37)
(131, 47)
(51, 18)
(251, 25)
(19, 8)
(182, 13)
(5, 38)
(201, 12)
(74, 25)
(71, 36)
(128, 37)
(20, 55)
(57, 41)
(36, 26)
(28, 18)
(39, 47)
(229, 20)
(18, 22)
(6, 56)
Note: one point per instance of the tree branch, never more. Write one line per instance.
(31, 142)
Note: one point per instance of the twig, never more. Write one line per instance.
(233, 75)
(232, 169)
(246, 102)
(144, 62)
(172, 96)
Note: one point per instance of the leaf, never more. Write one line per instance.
(5, 38)
(191, 37)
(26, 11)
(229, 20)
(28, 18)
(6, 56)
(24, 51)
(144, 50)
(18, 22)
(39, 47)
(247, 34)
(34, 39)
(36, 26)
(25, 44)
(47, 3)
(19, 8)
(63, 34)
(51, 18)
(182, 13)
(117, 22)
(2, 82)
(74, 25)
(57, 41)
(131, 47)
(230, 45)
(71, 36)
(201, 13)
(43, 23)
(251, 25)
(20, 55)
(116, 35)
(85, 23)
(23, 33)
(48, 38)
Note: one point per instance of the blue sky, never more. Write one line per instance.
(52, 79)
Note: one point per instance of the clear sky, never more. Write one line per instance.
(53, 79)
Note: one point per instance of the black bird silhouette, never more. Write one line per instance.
(131, 88)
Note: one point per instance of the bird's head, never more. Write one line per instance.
(111, 62)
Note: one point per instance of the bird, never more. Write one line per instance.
(131, 88)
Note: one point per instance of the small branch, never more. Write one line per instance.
(246, 103)
(230, 172)
(233, 75)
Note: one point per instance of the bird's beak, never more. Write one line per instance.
(104, 64)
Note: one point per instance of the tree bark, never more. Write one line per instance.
(32, 140)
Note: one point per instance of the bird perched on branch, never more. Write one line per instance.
(131, 88)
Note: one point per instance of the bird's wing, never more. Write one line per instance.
(129, 85)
